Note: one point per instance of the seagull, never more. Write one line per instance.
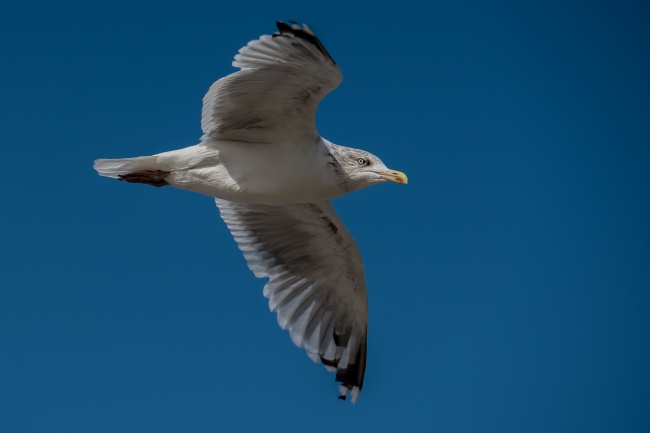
(273, 176)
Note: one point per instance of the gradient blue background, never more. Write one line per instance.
(509, 282)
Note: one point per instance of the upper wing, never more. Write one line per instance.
(273, 98)
(316, 282)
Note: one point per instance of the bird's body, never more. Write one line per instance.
(214, 168)
(272, 176)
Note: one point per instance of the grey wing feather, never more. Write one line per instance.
(316, 280)
(274, 97)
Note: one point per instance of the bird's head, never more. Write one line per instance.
(362, 169)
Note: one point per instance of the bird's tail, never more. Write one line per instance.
(119, 167)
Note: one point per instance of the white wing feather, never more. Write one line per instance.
(274, 97)
(316, 280)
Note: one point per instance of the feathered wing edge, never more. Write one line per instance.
(275, 95)
(315, 282)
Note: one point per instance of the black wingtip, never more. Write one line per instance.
(303, 33)
(352, 376)
(283, 27)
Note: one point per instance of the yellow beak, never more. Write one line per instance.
(395, 176)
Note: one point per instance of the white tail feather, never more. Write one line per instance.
(116, 167)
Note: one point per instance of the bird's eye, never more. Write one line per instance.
(362, 161)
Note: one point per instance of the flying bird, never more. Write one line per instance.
(272, 176)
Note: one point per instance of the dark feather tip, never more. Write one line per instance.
(300, 32)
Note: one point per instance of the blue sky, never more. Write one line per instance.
(509, 282)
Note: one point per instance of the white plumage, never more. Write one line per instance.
(272, 175)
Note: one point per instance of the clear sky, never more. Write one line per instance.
(509, 282)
